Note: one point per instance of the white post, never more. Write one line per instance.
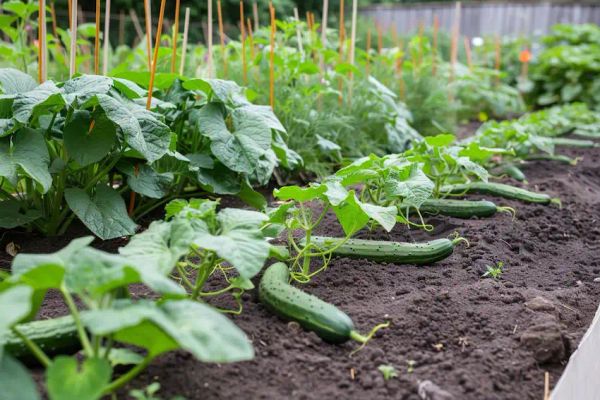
(210, 40)
(353, 33)
(43, 43)
(186, 26)
(298, 33)
(73, 50)
(105, 37)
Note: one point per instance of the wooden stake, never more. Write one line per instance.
(97, 41)
(379, 38)
(421, 51)
(468, 52)
(243, 39)
(454, 44)
(155, 56)
(272, 58)
(186, 27)
(341, 49)
(42, 73)
(73, 48)
(106, 38)
(436, 27)
(136, 24)
(121, 26)
(175, 37)
(250, 37)
(368, 61)
(210, 39)
(324, 35)
(298, 32)
(222, 38)
(353, 32)
(70, 6)
(148, 16)
(546, 385)
(498, 56)
(54, 26)
(255, 12)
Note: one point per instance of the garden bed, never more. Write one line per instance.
(466, 334)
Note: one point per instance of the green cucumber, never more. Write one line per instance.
(462, 208)
(552, 157)
(394, 252)
(54, 336)
(500, 190)
(560, 141)
(312, 313)
(514, 172)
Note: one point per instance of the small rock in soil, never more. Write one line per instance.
(546, 341)
(540, 304)
(430, 391)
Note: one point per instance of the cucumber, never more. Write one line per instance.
(514, 172)
(54, 336)
(312, 313)
(500, 190)
(560, 141)
(394, 252)
(461, 208)
(552, 157)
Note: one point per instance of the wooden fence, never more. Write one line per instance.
(489, 18)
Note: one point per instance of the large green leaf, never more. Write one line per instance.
(87, 146)
(174, 324)
(300, 194)
(104, 213)
(65, 380)
(411, 185)
(47, 97)
(227, 92)
(11, 217)
(15, 381)
(218, 179)
(85, 86)
(354, 214)
(13, 81)
(147, 182)
(15, 304)
(240, 149)
(27, 154)
(240, 241)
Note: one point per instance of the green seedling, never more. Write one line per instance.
(388, 371)
(494, 271)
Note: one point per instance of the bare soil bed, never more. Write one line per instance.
(474, 338)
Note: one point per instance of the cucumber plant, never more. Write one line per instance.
(94, 287)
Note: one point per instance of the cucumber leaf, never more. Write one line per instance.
(174, 324)
(27, 154)
(104, 213)
(87, 146)
(15, 381)
(66, 380)
(15, 305)
(11, 217)
(13, 81)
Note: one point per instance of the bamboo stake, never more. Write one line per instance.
(148, 16)
(210, 39)
(379, 38)
(250, 37)
(70, 6)
(175, 37)
(353, 32)
(498, 56)
(298, 32)
(222, 38)
(454, 44)
(186, 27)
(341, 49)
(97, 41)
(42, 73)
(546, 385)
(368, 62)
(468, 52)
(73, 48)
(421, 50)
(255, 12)
(308, 21)
(136, 24)
(54, 26)
(106, 38)
(243, 38)
(121, 27)
(272, 58)
(436, 28)
(323, 37)
(132, 194)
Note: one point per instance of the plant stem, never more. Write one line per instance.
(34, 348)
(85, 341)
(129, 375)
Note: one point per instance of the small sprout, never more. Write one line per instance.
(438, 346)
(411, 366)
(388, 372)
(495, 271)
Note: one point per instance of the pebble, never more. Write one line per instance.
(546, 341)
(430, 391)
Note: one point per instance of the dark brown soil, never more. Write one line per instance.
(448, 324)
